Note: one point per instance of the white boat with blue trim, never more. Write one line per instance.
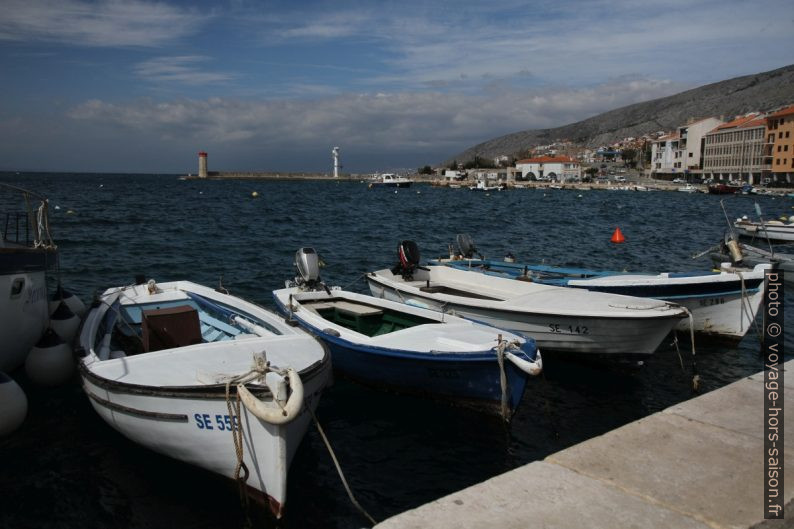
(410, 349)
(205, 378)
(559, 319)
(723, 304)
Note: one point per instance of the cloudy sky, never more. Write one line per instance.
(141, 86)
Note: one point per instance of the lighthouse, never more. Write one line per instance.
(335, 154)
(202, 164)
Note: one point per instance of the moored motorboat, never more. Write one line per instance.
(390, 180)
(205, 378)
(560, 319)
(688, 188)
(481, 185)
(410, 349)
(723, 304)
(27, 252)
(773, 230)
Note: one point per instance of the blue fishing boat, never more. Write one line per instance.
(723, 304)
(410, 349)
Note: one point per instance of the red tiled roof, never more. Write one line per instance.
(548, 159)
(782, 112)
(751, 120)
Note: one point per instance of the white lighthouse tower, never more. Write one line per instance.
(335, 154)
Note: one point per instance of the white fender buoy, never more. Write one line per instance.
(530, 368)
(74, 303)
(50, 361)
(13, 405)
(64, 322)
(275, 415)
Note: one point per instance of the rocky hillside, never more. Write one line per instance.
(727, 98)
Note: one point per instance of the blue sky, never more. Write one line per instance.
(140, 86)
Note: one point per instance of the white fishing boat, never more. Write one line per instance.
(27, 251)
(205, 378)
(558, 318)
(742, 255)
(774, 230)
(723, 304)
(689, 188)
(481, 185)
(410, 349)
(390, 180)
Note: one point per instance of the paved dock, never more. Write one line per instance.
(698, 464)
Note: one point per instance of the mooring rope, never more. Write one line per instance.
(236, 419)
(339, 468)
(500, 359)
(695, 375)
(748, 309)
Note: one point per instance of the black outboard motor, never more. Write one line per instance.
(409, 260)
(307, 263)
(466, 246)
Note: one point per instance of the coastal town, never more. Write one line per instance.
(756, 148)
(750, 153)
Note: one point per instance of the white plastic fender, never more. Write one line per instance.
(530, 368)
(275, 415)
(13, 405)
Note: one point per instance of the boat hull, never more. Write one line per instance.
(773, 232)
(391, 184)
(472, 380)
(719, 307)
(561, 333)
(24, 315)
(195, 427)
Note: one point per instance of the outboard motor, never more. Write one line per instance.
(466, 246)
(409, 260)
(307, 262)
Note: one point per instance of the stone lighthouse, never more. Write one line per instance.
(202, 164)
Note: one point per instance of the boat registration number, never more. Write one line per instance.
(224, 423)
(708, 302)
(557, 328)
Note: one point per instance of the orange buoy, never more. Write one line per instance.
(617, 236)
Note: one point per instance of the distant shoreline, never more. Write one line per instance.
(272, 175)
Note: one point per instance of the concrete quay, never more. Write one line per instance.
(698, 464)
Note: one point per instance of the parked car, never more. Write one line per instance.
(678, 181)
(620, 179)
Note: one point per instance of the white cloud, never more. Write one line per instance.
(418, 122)
(180, 69)
(104, 23)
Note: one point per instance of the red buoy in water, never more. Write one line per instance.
(617, 236)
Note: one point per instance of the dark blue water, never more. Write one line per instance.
(66, 467)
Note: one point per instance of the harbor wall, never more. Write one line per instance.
(698, 464)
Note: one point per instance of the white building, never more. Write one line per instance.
(691, 144)
(665, 155)
(560, 168)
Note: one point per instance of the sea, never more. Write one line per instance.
(66, 468)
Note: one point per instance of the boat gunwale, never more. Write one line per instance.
(641, 314)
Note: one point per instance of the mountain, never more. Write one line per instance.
(762, 91)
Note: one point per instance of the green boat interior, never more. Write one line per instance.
(363, 318)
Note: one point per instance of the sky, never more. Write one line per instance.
(140, 87)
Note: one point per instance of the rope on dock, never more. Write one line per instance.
(339, 468)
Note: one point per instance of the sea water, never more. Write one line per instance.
(67, 467)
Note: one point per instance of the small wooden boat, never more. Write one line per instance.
(749, 256)
(774, 230)
(689, 188)
(723, 304)
(410, 349)
(560, 319)
(169, 365)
